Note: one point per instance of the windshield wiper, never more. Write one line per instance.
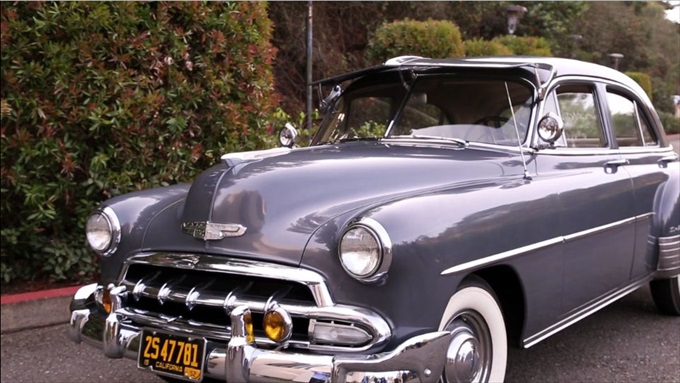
(346, 139)
(459, 141)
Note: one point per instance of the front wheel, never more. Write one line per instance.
(666, 295)
(478, 350)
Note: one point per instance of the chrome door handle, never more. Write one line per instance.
(663, 162)
(620, 162)
(611, 167)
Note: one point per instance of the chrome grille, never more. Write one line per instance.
(195, 294)
(204, 297)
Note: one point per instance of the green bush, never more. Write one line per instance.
(479, 47)
(643, 80)
(671, 124)
(431, 38)
(525, 45)
(106, 98)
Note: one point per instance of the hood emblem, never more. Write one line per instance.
(210, 231)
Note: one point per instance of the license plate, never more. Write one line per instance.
(172, 354)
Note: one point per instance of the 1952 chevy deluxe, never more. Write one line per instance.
(444, 210)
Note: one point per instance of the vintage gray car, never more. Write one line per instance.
(445, 210)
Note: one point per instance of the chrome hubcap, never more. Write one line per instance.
(468, 358)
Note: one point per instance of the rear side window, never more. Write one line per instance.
(628, 123)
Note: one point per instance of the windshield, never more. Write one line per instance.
(470, 108)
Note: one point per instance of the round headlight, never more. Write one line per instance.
(103, 231)
(366, 251)
(360, 252)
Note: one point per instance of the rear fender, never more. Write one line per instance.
(666, 227)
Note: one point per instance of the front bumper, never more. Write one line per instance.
(420, 358)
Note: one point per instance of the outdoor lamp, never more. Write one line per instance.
(514, 13)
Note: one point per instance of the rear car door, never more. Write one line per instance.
(645, 161)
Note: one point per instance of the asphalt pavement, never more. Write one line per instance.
(626, 342)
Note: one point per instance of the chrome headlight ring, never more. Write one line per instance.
(103, 231)
(372, 264)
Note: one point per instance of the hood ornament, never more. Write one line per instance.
(210, 231)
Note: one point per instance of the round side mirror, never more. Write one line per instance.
(287, 135)
(550, 128)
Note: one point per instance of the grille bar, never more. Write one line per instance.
(250, 269)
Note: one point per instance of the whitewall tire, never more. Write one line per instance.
(478, 351)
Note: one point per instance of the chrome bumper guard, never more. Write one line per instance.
(669, 257)
(420, 358)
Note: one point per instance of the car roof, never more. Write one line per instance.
(556, 66)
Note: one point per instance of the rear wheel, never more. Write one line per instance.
(666, 294)
(478, 350)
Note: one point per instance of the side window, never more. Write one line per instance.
(629, 125)
(578, 110)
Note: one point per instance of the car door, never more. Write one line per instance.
(596, 212)
(646, 163)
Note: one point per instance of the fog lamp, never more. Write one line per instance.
(277, 323)
(103, 297)
(248, 322)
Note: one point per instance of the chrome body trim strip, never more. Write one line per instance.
(501, 256)
(584, 312)
(211, 263)
(561, 151)
(538, 245)
(670, 240)
(599, 229)
(669, 257)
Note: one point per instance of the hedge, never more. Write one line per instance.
(525, 45)
(643, 80)
(106, 98)
(479, 47)
(431, 38)
(671, 124)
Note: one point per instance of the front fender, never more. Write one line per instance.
(135, 211)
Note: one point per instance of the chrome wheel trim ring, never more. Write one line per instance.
(468, 358)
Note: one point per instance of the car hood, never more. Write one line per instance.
(282, 199)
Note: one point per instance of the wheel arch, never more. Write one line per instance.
(509, 291)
